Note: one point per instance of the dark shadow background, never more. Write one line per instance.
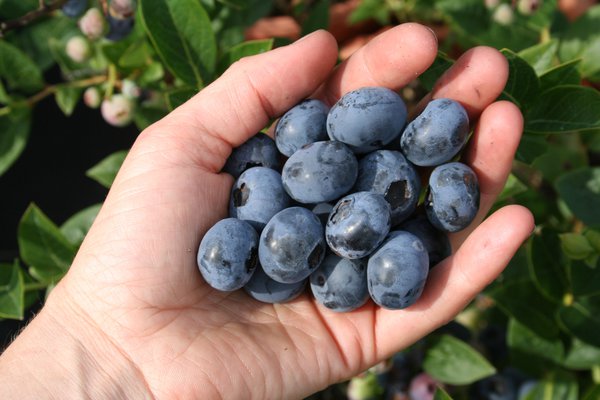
(51, 173)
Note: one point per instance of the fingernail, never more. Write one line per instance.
(432, 33)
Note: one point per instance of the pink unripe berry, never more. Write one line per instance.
(130, 89)
(91, 97)
(118, 110)
(422, 387)
(491, 4)
(528, 7)
(122, 8)
(92, 24)
(78, 49)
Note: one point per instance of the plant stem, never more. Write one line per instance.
(35, 286)
(51, 89)
(43, 10)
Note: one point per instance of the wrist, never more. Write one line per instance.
(62, 354)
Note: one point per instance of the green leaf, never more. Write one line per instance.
(152, 73)
(564, 109)
(558, 159)
(523, 84)
(67, 98)
(244, 49)
(582, 40)
(512, 187)
(440, 65)
(10, 9)
(558, 385)
(106, 170)
(580, 190)
(146, 115)
(77, 226)
(582, 356)
(14, 129)
(450, 360)
(441, 394)
(177, 97)
(181, 33)
(582, 319)
(563, 74)
(540, 56)
(19, 71)
(136, 55)
(317, 18)
(526, 342)
(43, 246)
(33, 38)
(531, 147)
(548, 266)
(585, 278)
(576, 246)
(522, 301)
(592, 394)
(12, 293)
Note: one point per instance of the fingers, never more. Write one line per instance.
(456, 281)
(257, 88)
(475, 80)
(392, 59)
(490, 153)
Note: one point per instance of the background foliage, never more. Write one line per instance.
(536, 329)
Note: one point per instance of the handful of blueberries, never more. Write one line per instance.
(344, 212)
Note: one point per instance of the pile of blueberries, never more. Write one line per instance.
(347, 212)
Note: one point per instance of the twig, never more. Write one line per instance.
(43, 10)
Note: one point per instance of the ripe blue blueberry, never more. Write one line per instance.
(340, 284)
(302, 124)
(320, 172)
(435, 241)
(367, 118)
(227, 256)
(358, 223)
(437, 134)
(257, 195)
(291, 245)
(322, 211)
(388, 173)
(74, 8)
(262, 288)
(397, 271)
(118, 28)
(258, 151)
(453, 199)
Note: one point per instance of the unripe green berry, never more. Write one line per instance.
(78, 49)
(504, 14)
(118, 110)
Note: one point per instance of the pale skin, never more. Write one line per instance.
(134, 319)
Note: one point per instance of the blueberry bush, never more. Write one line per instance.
(532, 334)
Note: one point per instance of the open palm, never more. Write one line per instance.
(135, 277)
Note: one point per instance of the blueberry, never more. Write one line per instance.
(340, 284)
(358, 224)
(388, 173)
(74, 8)
(262, 288)
(422, 387)
(322, 211)
(258, 151)
(257, 195)
(227, 256)
(397, 271)
(291, 245)
(437, 134)
(118, 28)
(435, 241)
(453, 199)
(495, 387)
(302, 124)
(320, 172)
(367, 118)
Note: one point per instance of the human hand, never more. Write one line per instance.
(134, 301)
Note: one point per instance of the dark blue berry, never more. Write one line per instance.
(303, 124)
(437, 134)
(74, 8)
(367, 118)
(258, 151)
(263, 288)
(227, 256)
(435, 241)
